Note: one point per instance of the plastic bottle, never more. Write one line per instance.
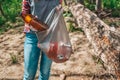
(34, 22)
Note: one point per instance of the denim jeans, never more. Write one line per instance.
(31, 58)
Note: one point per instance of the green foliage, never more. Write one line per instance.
(107, 4)
(11, 9)
(115, 13)
(71, 26)
(113, 5)
(71, 29)
(2, 20)
(89, 5)
(14, 58)
(67, 14)
(8, 25)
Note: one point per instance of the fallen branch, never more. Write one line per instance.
(106, 41)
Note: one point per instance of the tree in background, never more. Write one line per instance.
(1, 10)
(81, 1)
(98, 6)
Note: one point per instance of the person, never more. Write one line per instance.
(41, 9)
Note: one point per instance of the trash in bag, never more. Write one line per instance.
(54, 41)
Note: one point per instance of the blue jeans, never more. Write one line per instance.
(31, 58)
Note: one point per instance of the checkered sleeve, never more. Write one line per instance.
(25, 7)
(60, 1)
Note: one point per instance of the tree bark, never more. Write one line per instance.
(98, 6)
(105, 39)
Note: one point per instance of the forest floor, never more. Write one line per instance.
(81, 66)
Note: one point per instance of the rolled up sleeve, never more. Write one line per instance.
(25, 7)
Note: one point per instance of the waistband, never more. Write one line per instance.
(31, 32)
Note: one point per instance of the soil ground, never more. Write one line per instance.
(81, 65)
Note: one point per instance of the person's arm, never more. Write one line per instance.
(60, 1)
(25, 7)
(26, 10)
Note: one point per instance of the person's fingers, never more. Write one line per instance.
(36, 16)
(58, 7)
(26, 24)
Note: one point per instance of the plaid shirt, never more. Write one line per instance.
(26, 10)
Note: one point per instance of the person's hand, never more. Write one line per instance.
(27, 25)
(59, 7)
(26, 28)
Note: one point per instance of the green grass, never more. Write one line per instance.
(14, 59)
(9, 25)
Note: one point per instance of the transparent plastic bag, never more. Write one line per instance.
(55, 41)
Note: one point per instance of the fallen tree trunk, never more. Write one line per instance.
(105, 39)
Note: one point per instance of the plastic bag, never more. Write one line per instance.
(55, 42)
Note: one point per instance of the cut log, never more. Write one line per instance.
(105, 39)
